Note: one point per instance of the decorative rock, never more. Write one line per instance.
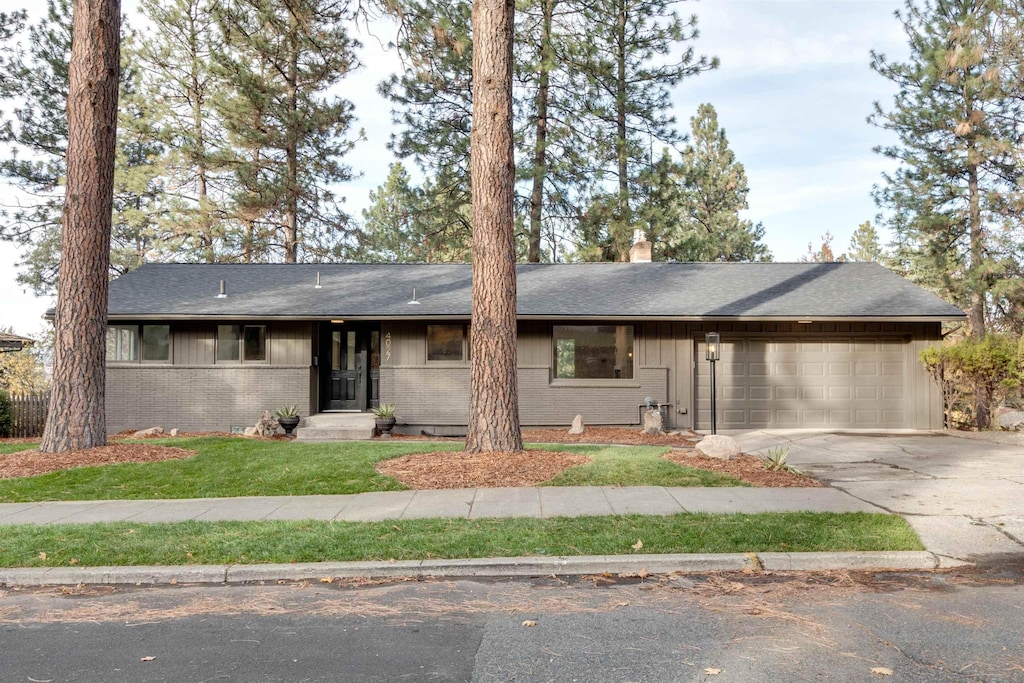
(266, 425)
(652, 422)
(718, 446)
(152, 431)
(249, 431)
(1013, 420)
(174, 432)
(577, 425)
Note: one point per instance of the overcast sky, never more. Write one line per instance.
(793, 92)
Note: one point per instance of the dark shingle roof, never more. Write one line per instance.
(657, 290)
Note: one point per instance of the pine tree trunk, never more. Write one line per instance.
(77, 413)
(291, 229)
(494, 396)
(620, 227)
(540, 166)
(976, 314)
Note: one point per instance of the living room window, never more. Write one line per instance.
(593, 351)
(448, 343)
(127, 343)
(241, 343)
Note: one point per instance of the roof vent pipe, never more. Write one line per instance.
(318, 285)
(223, 291)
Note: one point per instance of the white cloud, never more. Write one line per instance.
(19, 308)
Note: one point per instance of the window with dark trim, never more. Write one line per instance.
(241, 343)
(132, 343)
(448, 343)
(593, 351)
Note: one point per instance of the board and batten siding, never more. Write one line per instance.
(195, 393)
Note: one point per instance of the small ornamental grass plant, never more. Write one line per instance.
(774, 460)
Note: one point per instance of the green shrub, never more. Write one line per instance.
(6, 414)
(967, 368)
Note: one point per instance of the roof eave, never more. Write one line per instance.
(465, 316)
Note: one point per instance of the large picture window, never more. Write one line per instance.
(448, 343)
(124, 343)
(241, 343)
(593, 351)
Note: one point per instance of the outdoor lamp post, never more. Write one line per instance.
(713, 351)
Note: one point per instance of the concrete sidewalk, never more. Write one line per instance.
(540, 502)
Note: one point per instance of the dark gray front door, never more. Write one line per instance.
(349, 366)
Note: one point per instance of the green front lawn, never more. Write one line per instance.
(8, 447)
(282, 542)
(229, 467)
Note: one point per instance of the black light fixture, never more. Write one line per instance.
(713, 352)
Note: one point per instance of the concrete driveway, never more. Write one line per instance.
(963, 496)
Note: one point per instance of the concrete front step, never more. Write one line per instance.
(337, 427)
(309, 434)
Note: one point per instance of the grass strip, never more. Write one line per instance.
(230, 467)
(185, 543)
(9, 447)
(633, 466)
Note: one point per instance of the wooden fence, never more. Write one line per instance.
(29, 414)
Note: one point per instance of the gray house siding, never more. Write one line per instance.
(200, 398)
(193, 392)
(670, 367)
(435, 396)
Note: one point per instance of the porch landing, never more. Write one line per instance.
(336, 427)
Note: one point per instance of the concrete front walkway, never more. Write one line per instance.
(962, 494)
(540, 502)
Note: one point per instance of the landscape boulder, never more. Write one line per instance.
(1013, 420)
(652, 422)
(152, 431)
(174, 432)
(267, 425)
(577, 425)
(718, 446)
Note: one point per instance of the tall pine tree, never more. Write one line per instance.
(957, 126)
(280, 61)
(711, 190)
(37, 132)
(635, 51)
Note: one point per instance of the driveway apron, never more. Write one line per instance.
(963, 496)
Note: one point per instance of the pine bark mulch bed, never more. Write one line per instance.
(493, 469)
(30, 463)
(626, 436)
(622, 436)
(746, 468)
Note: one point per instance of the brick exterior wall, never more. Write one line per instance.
(201, 398)
(428, 396)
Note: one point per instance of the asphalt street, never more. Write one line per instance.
(952, 625)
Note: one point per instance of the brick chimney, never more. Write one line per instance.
(640, 252)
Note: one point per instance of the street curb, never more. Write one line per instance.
(494, 567)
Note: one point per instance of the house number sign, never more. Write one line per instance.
(387, 345)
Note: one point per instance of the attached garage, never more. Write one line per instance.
(855, 382)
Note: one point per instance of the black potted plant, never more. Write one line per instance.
(385, 418)
(288, 418)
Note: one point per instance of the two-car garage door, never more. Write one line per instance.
(808, 382)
